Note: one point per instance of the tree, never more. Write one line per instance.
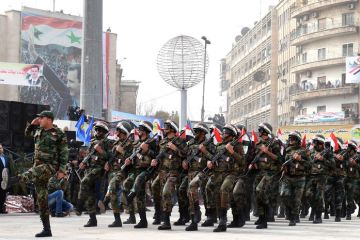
(173, 116)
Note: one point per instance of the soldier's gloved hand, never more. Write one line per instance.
(172, 146)
(185, 166)
(319, 157)
(98, 148)
(154, 163)
(107, 166)
(144, 147)
(210, 165)
(127, 162)
(202, 148)
(82, 165)
(120, 149)
(230, 148)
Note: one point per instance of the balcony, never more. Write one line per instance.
(318, 64)
(303, 95)
(305, 35)
(321, 4)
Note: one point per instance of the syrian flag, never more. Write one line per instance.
(346, 144)
(46, 30)
(254, 137)
(245, 137)
(279, 133)
(303, 141)
(188, 131)
(217, 136)
(334, 142)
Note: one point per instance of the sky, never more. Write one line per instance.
(144, 26)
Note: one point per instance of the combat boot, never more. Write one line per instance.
(235, 222)
(292, 220)
(317, 218)
(193, 225)
(209, 222)
(262, 222)
(270, 215)
(166, 224)
(338, 215)
(143, 221)
(222, 223)
(157, 214)
(241, 221)
(117, 222)
(326, 214)
(297, 218)
(181, 220)
(131, 219)
(92, 221)
(46, 232)
(348, 214)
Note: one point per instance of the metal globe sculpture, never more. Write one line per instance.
(180, 63)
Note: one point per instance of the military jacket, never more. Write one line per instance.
(353, 169)
(266, 163)
(198, 163)
(235, 163)
(98, 160)
(171, 160)
(321, 167)
(119, 158)
(143, 160)
(297, 168)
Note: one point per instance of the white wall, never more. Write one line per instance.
(333, 104)
(332, 74)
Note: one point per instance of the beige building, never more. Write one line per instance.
(10, 51)
(304, 65)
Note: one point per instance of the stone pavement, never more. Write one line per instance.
(24, 226)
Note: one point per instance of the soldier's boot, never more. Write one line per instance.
(281, 213)
(222, 223)
(326, 214)
(270, 214)
(143, 221)
(197, 216)
(131, 219)
(193, 225)
(263, 222)
(181, 220)
(79, 207)
(92, 221)
(348, 214)
(297, 218)
(292, 221)
(187, 217)
(332, 209)
(209, 222)
(317, 218)
(117, 222)
(157, 214)
(338, 215)
(247, 214)
(241, 213)
(235, 222)
(46, 232)
(166, 224)
(287, 214)
(312, 213)
(258, 221)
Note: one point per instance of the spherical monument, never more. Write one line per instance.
(180, 63)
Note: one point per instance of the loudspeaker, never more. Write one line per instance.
(5, 138)
(16, 117)
(4, 116)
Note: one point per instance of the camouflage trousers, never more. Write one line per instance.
(292, 188)
(239, 193)
(196, 180)
(87, 193)
(40, 176)
(163, 187)
(263, 187)
(139, 188)
(315, 188)
(350, 184)
(115, 182)
(127, 185)
(357, 191)
(219, 190)
(182, 195)
(336, 184)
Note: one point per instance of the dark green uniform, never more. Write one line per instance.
(352, 176)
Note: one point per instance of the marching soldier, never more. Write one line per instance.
(50, 156)
(293, 179)
(99, 154)
(172, 150)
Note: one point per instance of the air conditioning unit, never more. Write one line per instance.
(315, 14)
(308, 74)
(305, 18)
(351, 6)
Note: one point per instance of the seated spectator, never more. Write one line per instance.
(59, 207)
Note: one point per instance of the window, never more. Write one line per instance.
(321, 53)
(321, 109)
(343, 79)
(348, 50)
(322, 24)
(347, 19)
(304, 57)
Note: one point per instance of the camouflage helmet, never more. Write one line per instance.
(172, 125)
(124, 127)
(353, 144)
(319, 138)
(296, 135)
(217, 126)
(265, 127)
(202, 127)
(147, 126)
(230, 129)
(101, 125)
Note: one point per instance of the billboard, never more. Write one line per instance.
(53, 41)
(117, 116)
(320, 117)
(353, 69)
(20, 74)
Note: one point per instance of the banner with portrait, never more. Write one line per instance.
(20, 74)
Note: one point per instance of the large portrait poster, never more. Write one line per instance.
(53, 41)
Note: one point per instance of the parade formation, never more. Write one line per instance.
(222, 167)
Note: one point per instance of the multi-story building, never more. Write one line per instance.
(302, 62)
(252, 80)
(224, 86)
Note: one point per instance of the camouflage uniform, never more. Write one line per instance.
(352, 176)
(293, 181)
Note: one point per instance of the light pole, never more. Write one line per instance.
(203, 96)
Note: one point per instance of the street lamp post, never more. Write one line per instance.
(206, 41)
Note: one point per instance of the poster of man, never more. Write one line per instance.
(34, 76)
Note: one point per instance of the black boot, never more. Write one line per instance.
(193, 225)
(131, 219)
(209, 222)
(235, 222)
(292, 220)
(262, 222)
(166, 224)
(241, 220)
(92, 221)
(117, 222)
(157, 214)
(143, 221)
(338, 215)
(270, 214)
(297, 218)
(348, 214)
(46, 232)
(317, 218)
(197, 216)
(222, 223)
(181, 220)
(326, 214)
(312, 213)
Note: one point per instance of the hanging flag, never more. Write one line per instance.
(245, 137)
(217, 136)
(345, 144)
(88, 132)
(279, 133)
(254, 137)
(80, 128)
(187, 131)
(334, 142)
(303, 141)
